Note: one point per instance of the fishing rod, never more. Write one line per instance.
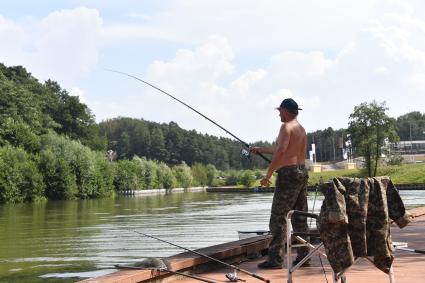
(188, 106)
(411, 250)
(206, 256)
(165, 270)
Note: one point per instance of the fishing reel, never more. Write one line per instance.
(233, 277)
(246, 153)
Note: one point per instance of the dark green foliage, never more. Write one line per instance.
(29, 108)
(165, 176)
(126, 176)
(170, 144)
(247, 178)
(232, 178)
(183, 175)
(20, 179)
(58, 177)
(199, 173)
(93, 174)
(329, 144)
(19, 134)
(411, 126)
(211, 175)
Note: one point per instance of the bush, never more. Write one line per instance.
(183, 175)
(211, 175)
(20, 179)
(126, 176)
(232, 179)
(58, 177)
(199, 173)
(247, 178)
(141, 165)
(85, 165)
(151, 177)
(165, 175)
(104, 176)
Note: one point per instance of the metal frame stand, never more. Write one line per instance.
(302, 242)
(290, 235)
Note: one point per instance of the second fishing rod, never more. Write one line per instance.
(188, 106)
(206, 256)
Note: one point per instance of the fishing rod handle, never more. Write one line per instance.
(261, 278)
(252, 274)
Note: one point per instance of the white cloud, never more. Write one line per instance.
(62, 46)
(232, 60)
(297, 67)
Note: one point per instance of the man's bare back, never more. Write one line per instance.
(294, 137)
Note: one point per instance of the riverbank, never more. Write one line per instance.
(401, 187)
(160, 191)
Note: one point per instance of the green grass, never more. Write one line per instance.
(400, 174)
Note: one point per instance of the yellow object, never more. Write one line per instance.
(316, 168)
(350, 165)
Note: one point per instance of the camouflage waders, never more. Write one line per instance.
(290, 194)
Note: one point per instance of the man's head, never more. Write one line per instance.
(288, 109)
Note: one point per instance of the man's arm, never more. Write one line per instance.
(278, 154)
(259, 149)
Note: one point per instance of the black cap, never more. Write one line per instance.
(289, 104)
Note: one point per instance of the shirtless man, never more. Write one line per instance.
(290, 193)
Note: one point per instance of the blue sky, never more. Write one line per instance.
(232, 60)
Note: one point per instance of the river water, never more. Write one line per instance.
(66, 241)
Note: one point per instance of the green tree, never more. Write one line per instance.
(158, 150)
(211, 175)
(20, 179)
(126, 176)
(199, 173)
(411, 126)
(247, 178)
(183, 175)
(165, 176)
(369, 126)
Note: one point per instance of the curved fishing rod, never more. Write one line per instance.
(188, 106)
(204, 255)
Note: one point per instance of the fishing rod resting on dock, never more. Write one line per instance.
(244, 152)
(165, 270)
(206, 256)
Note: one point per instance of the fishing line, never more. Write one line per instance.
(188, 106)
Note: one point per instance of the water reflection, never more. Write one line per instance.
(64, 240)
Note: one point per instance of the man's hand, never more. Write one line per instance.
(254, 149)
(265, 182)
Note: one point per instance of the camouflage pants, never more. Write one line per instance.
(290, 194)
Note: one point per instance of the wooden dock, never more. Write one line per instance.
(408, 266)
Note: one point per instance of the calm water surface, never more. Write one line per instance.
(70, 240)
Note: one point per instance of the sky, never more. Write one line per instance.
(232, 60)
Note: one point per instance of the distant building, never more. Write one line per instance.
(408, 147)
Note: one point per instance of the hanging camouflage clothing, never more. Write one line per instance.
(355, 220)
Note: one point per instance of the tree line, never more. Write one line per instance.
(171, 144)
(52, 148)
